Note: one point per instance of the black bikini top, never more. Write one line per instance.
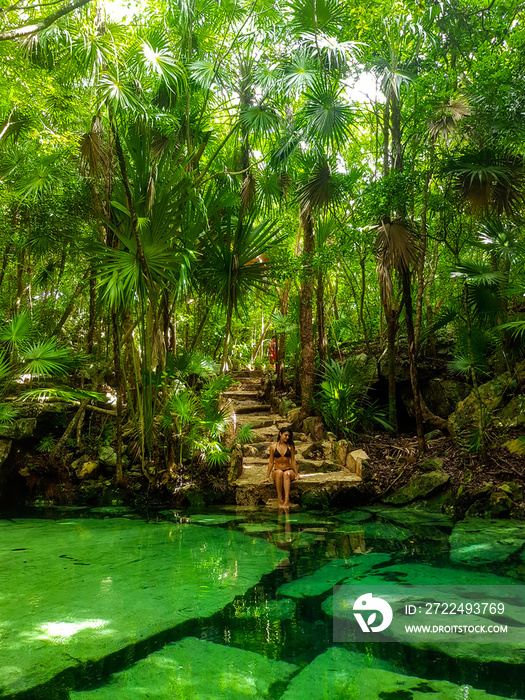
(277, 454)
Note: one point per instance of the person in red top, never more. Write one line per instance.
(272, 352)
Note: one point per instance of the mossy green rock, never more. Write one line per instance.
(333, 573)
(75, 591)
(420, 486)
(339, 674)
(476, 541)
(193, 669)
(353, 516)
(376, 531)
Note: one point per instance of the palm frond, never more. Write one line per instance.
(45, 358)
(325, 115)
(16, 331)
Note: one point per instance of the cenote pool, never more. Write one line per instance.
(100, 604)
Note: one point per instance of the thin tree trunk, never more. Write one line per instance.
(92, 314)
(322, 340)
(5, 260)
(118, 389)
(392, 318)
(412, 357)
(386, 137)
(280, 382)
(305, 318)
(475, 386)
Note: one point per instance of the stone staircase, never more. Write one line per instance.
(323, 481)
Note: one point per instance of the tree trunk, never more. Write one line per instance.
(412, 357)
(280, 382)
(305, 318)
(322, 340)
(392, 322)
(118, 390)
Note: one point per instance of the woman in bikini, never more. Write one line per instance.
(282, 461)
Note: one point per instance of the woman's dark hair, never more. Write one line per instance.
(290, 439)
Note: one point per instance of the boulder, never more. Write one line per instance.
(293, 415)
(478, 542)
(431, 464)
(236, 462)
(491, 393)
(443, 395)
(314, 427)
(107, 456)
(318, 450)
(517, 446)
(512, 415)
(19, 429)
(341, 448)
(420, 486)
(86, 469)
(285, 406)
(338, 673)
(5, 449)
(356, 462)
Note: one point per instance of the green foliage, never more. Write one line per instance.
(341, 396)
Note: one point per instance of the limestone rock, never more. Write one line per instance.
(512, 415)
(431, 464)
(236, 462)
(293, 415)
(338, 674)
(318, 450)
(313, 426)
(5, 449)
(491, 393)
(107, 456)
(85, 469)
(356, 461)
(516, 446)
(443, 395)
(20, 429)
(120, 581)
(341, 448)
(376, 531)
(331, 574)
(208, 670)
(420, 486)
(477, 542)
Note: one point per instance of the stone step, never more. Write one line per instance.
(250, 373)
(240, 395)
(250, 491)
(304, 466)
(252, 407)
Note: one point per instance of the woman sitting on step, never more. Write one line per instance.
(282, 461)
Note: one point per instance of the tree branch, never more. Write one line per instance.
(27, 29)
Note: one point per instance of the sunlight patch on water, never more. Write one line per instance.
(61, 632)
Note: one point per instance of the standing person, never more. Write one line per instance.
(282, 462)
(272, 352)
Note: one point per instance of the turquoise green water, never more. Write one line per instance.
(109, 604)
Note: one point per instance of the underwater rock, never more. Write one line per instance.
(411, 516)
(259, 527)
(419, 487)
(338, 674)
(477, 541)
(331, 574)
(74, 592)
(376, 531)
(215, 518)
(353, 516)
(194, 669)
